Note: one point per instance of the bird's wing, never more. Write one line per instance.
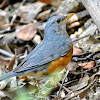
(45, 52)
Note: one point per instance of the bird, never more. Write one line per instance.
(51, 55)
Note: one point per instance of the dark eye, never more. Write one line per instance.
(58, 21)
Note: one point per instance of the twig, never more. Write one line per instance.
(3, 3)
(80, 38)
(6, 53)
(79, 55)
(66, 89)
(63, 81)
(5, 30)
(16, 13)
(93, 9)
(13, 19)
(69, 98)
(85, 58)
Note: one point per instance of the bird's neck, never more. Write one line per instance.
(53, 35)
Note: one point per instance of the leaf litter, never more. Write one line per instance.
(22, 28)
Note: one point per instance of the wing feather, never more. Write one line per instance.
(45, 52)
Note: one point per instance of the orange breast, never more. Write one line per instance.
(60, 63)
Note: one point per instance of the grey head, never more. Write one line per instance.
(56, 27)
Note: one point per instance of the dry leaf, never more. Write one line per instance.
(52, 2)
(89, 43)
(71, 65)
(87, 65)
(23, 78)
(3, 84)
(3, 62)
(29, 12)
(2, 94)
(26, 32)
(3, 3)
(37, 39)
(2, 21)
(11, 63)
(6, 25)
(82, 94)
(76, 51)
(95, 47)
(44, 14)
(97, 93)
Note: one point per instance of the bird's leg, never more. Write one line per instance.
(38, 84)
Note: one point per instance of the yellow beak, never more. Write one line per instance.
(66, 17)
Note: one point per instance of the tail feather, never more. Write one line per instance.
(7, 76)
